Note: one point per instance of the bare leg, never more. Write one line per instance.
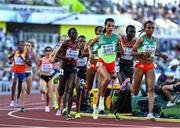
(138, 74)
(150, 80)
(166, 90)
(29, 82)
(90, 78)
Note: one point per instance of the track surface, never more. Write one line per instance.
(34, 116)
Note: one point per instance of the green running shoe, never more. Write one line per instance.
(64, 111)
(117, 116)
(69, 117)
(78, 115)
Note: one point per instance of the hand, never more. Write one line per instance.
(146, 54)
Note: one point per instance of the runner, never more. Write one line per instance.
(126, 68)
(18, 73)
(91, 67)
(81, 76)
(46, 75)
(108, 43)
(68, 53)
(31, 51)
(145, 50)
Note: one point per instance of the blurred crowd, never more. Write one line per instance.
(139, 9)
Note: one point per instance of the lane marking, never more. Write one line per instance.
(74, 122)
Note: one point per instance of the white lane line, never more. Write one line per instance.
(13, 125)
(73, 122)
(61, 121)
(17, 106)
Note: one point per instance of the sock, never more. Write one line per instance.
(101, 101)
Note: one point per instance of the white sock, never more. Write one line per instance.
(101, 100)
(94, 107)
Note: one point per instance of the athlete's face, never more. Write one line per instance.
(131, 32)
(99, 31)
(73, 34)
(28, 46)
(48, 51)
(109, 26)
(149, 29)
(81, 41)
(21, 46)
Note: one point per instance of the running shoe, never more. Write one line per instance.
(12, 104)
(22, 109)
(124, 84)
(69, 117)
(58, 113)
(117, 116)
(78, 115)
(95, 113)
(150, 116)
(47, 109)
(64, 111)
(101, 108)
(170, 104)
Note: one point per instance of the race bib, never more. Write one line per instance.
(127, 54)
(82, 62)
(19, 61)
(46, 67)
(72, 54)
(150, 48)
(108, 49)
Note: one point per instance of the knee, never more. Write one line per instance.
(107, 80)
(164, 88)
(151, 89)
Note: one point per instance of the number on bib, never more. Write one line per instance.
(108, 49)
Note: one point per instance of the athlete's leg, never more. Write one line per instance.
(138, 75)
(150, 81)
(90, 78)
(28, 83)
(70, 90)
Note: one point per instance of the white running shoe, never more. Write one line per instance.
(170, 104)
(12, 103)
(150, 116)
(101, 109)
(58, 113)
(47, 109)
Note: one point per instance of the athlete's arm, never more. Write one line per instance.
(93, 41)
(26, 60)
(121, 45)
(135, 47)
(158, 53)
(11, 56)
(61, 49)
(35, 56)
